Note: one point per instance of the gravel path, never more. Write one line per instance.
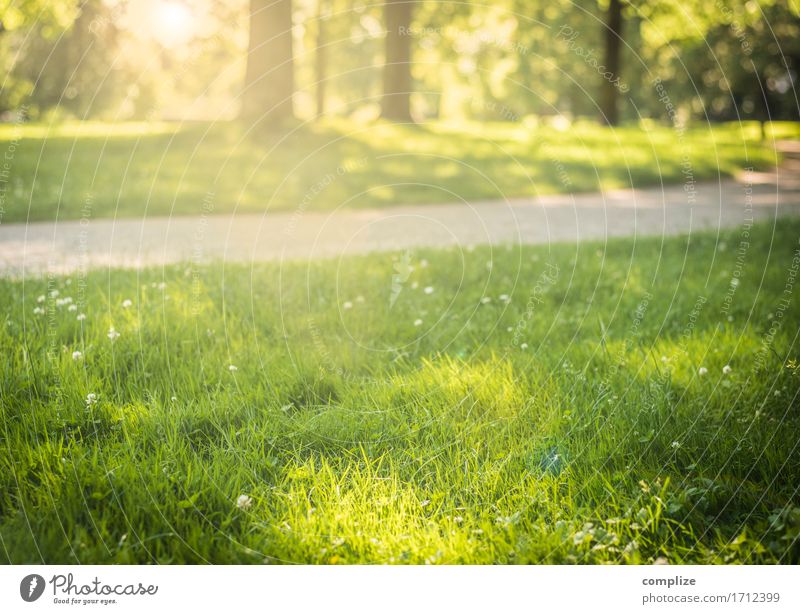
(67, 246)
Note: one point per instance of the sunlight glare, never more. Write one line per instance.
(174, 23)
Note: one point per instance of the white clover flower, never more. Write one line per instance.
(509, 329)
(244, 502)
(54, 293)
(702, 371)
(41, 298)
(127, 303)
(486, 299)
(91, 399)
(505, 298)
(80, 317)
(726, 369)
(676, 444)
(76, 355)
(72, 308)
(233, 368)
(428, 290)
(37, 311)
(347, 305)
(523, 346)
(113, 334)
(417, 322)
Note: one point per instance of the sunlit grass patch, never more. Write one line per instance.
(268, 413)
(95, 170)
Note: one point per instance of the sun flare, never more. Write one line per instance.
(174, 23)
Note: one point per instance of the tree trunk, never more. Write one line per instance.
(609, 94)
(321, 60)
(269, 78)
(397, 67)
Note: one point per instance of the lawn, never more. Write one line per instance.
(95, 170)
(556, 404)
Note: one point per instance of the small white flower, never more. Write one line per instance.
(80, 317)
(523, 346)
(41, 298)
(233, 368)
(663, 359)
(173, 399)
(676, 444)
(113, 334)
(37, 311)
(91, 399)
(486, 299)
(162, 285)
(244, 502)
(347, 305)
(76, 355)
(423, 263)
(72, 308)
(417, 322)
(54, 293)
(127, 303)
(726, 369)
(428, 290)
(509, 329)
(702, 371)
(505, 298)
(414, 285)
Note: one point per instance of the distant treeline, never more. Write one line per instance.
(266, 60)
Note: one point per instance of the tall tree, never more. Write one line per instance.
(269, 77)
(609, 105)
(396, 103)
(320, 59)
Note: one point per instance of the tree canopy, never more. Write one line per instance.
(507, 60)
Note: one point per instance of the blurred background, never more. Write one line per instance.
(123, 108)
(507, 60)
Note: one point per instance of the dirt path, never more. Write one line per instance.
(66, 246)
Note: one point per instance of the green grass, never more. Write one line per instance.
(362, 437)
(78, 170)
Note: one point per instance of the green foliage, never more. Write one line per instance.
(361, 437)
(499, 61)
